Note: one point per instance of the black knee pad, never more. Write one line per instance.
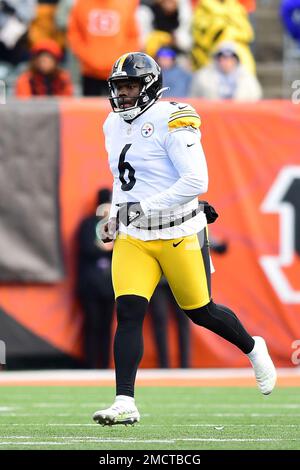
(131, 308)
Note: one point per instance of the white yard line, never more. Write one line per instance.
(227, 405)
(146, 415)
(7, 408)
(256, 415)
(62, 405)
(39, 415)
(224, 425)
(287, 406)
(77, 440)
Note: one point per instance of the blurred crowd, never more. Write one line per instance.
(67, 47)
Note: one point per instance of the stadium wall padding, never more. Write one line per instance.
(253, 154)
(29, 172)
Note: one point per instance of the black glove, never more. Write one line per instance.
(210, 212)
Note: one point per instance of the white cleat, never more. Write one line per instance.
(121, 412)
(264, 369)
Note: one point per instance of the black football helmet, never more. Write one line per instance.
(137, 66)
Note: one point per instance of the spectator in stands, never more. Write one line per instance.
(44, 24)
(290, 13)
(216, 21)
(62, 14)
(44, 76)
(94, 288)
(226, 78)
(15, 17)
(99, 32)
(166, 23)
(175, 77)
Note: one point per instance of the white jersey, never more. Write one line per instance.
(158, 161)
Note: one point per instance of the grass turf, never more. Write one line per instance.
(171, 419)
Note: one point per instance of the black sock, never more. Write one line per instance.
(128, 344)
(222, 321)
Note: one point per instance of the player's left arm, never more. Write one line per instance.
(184, 148)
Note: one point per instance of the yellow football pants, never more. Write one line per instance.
(137, 266)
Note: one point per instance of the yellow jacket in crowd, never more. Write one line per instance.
(214, 22)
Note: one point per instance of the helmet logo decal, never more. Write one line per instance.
(147, 129)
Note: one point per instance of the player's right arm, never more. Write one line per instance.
(111, 227)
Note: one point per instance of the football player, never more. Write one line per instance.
(159, 170)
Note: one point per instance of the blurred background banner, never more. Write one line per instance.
(29, 201)
(253, 155)
(254, 163)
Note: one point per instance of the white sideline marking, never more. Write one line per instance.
(65, 405)
(287, 406)
(144, 441)
(109, 375)
(227, 405)
(258, 415)
(50, 405)
(225, 425)
(147, 415)
(38, 415)
(32, 443)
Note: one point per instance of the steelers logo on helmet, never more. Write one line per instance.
(141, 67)
(147, 129)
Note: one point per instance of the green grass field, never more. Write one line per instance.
(172, 418)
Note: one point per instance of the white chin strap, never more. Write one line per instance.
(130, 114)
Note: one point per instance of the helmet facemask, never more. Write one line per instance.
(126, 105)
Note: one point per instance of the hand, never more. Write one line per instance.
(109, 230)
